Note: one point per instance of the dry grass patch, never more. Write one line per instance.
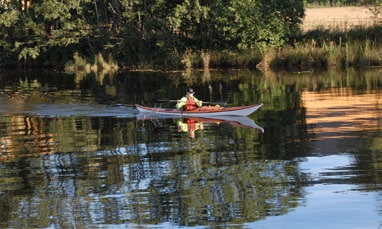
(338, 18)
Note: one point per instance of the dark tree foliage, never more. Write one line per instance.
(141, 31)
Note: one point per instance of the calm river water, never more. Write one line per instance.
(75, 153)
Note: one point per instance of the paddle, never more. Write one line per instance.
(222, 104)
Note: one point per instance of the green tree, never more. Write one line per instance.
(142, 32)
(30, 31)
(244, 24)
(9, 20)
(263, 23)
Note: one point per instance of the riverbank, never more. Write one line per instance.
(331, 37)
(336, 37)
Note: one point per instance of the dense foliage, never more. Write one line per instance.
(141, 33)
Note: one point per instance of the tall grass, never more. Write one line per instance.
(206, 57)
(235, 59)
(319, 49)
(79, 63)
(300, 57)
(220, 59)
(307, 57)
(99, 64)
(188, 59)
(323, 49)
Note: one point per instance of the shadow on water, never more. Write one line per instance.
(75, 152)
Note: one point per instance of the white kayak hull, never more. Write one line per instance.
(205, 111)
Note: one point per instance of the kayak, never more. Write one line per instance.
(204, 111)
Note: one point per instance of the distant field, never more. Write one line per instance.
(342, 18)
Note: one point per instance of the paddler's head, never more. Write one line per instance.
(190, 92)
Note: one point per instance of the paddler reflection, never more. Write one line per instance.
(190, 126)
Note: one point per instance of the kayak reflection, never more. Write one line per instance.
(193, 124)
(190, 125)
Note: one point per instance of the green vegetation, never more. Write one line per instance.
(99, 65)
(174, 35)
(323, 49)
(141, 34)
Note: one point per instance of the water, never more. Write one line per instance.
(74, 152)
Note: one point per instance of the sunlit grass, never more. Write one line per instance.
(81, 64)
(327, 48)
(319, 49)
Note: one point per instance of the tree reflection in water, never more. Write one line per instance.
(74, 155)
(113, 170)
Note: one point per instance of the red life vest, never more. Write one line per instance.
(190, 104)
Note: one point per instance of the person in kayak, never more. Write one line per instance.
(189, 102)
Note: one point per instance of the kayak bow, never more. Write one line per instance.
(204, 111)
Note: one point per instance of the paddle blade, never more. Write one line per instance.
(164, 100)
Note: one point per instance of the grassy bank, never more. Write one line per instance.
(331, 37)
(318, 49)
(328, 48)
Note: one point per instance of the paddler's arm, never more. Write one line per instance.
(181, 102)
(198, 102)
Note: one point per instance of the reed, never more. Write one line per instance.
(206, 57)
(319, 49)
(303, 57)
(188, 59)
(235, 59)
(325, 48)
(80, 63)
(300, 57)
(100, 64)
